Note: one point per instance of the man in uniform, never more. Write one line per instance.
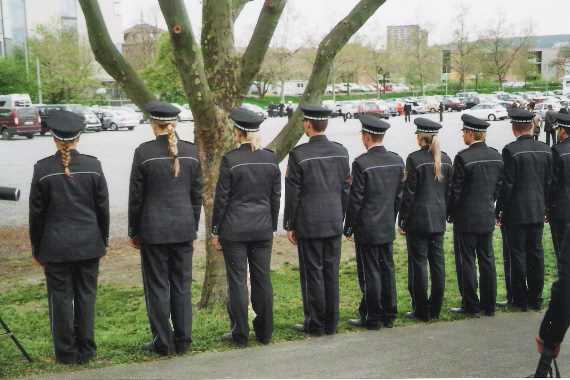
(521, 208)
(316, 193)
(549, 122)
(477, 179)
(377, 183)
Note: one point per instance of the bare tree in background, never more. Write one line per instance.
(216, 78)
(464, 51)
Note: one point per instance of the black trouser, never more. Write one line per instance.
(527, 264)
(377, 280)
(237, 255)
(560, 231)
(550, 134)
(407, 117)
(424, 249)
(507, 263)
(478, 247)
(457, 256)
(319, 265)
(72, 290)
(167, 278)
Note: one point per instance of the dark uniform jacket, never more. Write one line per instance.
(477, 181)
(549, 120)
(557, 317)
(527, 181)
(164, 209)
(316, 189)
(424, 202)
(69, 216)
(248, 195)
(375, 195)
(559, 207)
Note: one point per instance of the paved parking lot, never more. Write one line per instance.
(115, 150)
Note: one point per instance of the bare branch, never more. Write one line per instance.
(109, 57)
(188, 55)
(328, 50)
(255, 53)
(237, 7)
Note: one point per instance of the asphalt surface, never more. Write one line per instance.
(502, 346)
(115, 150)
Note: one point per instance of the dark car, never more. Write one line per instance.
(19, 121)
(453, 104)
(92, 122)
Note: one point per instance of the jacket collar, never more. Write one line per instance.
(318, 138)
(478, 144)
(378, 148)
(162, 138)
(72, 152)
(525, 137)
(245, 146)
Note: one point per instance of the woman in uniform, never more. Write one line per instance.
(423, 219)
(165, 202)
(246, 209)
(69, 232)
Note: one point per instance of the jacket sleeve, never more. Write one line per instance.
(102, 205)
(136, 195)
(355, 200)
(196, 193)
(223, 192)
(409, 194)
(557, 318)
(38, 206)
(548, 185)
(293, 187)
(509, 174)
(400, 190)
(346, 184)
(276, 196)
(557, 173)
(455, 188)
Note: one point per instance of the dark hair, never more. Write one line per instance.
(375, 138)
(522, 127)
(319, 125)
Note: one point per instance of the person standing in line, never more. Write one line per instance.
(407, 112)
(559, 200)
(69, 232)
(316, 195)
(521, 208)
(549, 122)
(441, 109)
(375, 195)
(165, 201)
(476, 182)
(246, 210)
(422, 219)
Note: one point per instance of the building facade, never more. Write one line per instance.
(403, 36)
(140, 45)
(13, 26)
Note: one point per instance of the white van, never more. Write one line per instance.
(15, 100)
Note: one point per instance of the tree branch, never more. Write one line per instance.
(253, 57)
(110, 58)
(188, 55)
(237, 7)
(328, 50)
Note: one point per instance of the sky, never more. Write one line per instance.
(306, 22)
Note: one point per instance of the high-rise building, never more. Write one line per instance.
(13, 26)
(403, 36)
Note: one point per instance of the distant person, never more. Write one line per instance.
(477, 179)
(422, 219)
(549, 123)
(536, 123)
(289, 110)
(69, 232)
(165, 201)
(245, 216)
(281, 109)
(407, 113)
(521, 208)
(375, 195)
(441, 109)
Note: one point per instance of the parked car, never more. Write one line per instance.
(372, 108)
(15, 100)
(43, 110)
(92, 122)
(19, 121)
(115, 119)
(488, 111)
(453, 104)
(542, 108)
(255, 108)
(185, 113)
(135, 109)
(417, 108)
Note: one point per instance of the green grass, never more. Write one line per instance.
(122, 327)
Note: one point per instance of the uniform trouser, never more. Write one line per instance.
(507, 263)
(560, 231)
(550, 135)
(478, 247)
(167, 277)
(457, 256)
(377, 280)
(527, 263)
(319, 265)
(237, 255)
(72, 290)
(407, 117)
(424, 249)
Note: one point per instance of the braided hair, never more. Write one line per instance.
(173, 150)
(64, 148)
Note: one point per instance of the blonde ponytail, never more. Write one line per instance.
(173, 150)
(432, 141)
(251, 138)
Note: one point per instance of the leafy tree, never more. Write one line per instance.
(13, 77)
(216, 78)
(67, 65)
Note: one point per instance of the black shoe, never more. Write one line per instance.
(356, 322)
(489, 313)
(150, 348)
(461, 310)
(229, 338)
(299, 327)
(536, 307)
(504, 304)
(264, 341)
(410, 314)
(389, 324)
(85, 358)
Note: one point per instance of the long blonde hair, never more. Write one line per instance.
(251, 138)
(64, 148)
(172, 145)
(431, 140)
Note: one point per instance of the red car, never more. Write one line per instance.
(373, 108)
(19, 121)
